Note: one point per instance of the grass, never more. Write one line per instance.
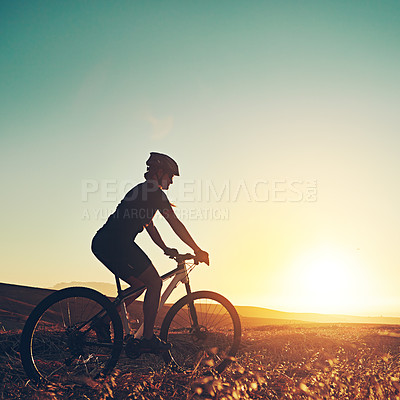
(274, 362)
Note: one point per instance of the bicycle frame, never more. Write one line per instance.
(179, 274)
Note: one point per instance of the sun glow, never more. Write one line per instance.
(327, 280)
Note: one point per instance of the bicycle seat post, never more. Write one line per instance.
(119, 289)
(124, 313)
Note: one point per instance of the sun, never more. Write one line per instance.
(327, 281)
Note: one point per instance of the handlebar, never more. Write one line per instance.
(180, 258)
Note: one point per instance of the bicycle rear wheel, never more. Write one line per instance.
(58, 342)
(204, 330)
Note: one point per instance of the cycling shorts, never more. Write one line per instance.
(123, 258)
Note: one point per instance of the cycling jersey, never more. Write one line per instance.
(114, 243)
(136, 210)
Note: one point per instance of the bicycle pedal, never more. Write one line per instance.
(132, 348)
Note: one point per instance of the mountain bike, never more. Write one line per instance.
(59, 342)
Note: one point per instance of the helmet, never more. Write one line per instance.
(164, 162)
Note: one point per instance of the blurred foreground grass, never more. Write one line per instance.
(274, 362)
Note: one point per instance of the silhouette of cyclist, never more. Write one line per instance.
(114, 243)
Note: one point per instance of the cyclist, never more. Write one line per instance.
(114, 243)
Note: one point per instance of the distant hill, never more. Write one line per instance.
(109, 289)
(17, 301)
(265, 313)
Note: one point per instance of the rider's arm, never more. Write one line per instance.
(155, 236)
(178, 227)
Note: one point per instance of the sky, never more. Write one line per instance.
(282, 115)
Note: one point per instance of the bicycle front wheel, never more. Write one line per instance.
(204, 330)
(59, 343)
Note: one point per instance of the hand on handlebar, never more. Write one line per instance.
(202, 256)
(172, 253)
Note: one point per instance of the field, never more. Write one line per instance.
(291, 361)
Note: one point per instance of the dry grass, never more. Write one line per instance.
(274, 362)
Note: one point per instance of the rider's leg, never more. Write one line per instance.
(134, 284)
(153, 283)
(102, 327)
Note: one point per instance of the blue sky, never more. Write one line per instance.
(247, 92)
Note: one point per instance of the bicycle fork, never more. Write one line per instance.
(192, 308)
